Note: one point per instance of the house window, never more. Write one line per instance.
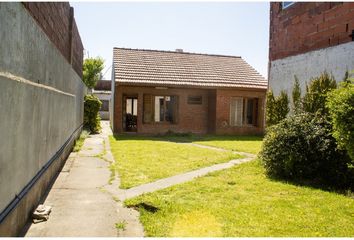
(160, 108)
(104, 106)
(286, 4)
(243, 111)
(132, 106)
(195, 100)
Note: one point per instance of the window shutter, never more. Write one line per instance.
(148, 108)
(236, 110)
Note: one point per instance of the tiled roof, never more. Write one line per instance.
(103, 85)
(169, 68)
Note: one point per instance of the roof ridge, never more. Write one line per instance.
(169, 51)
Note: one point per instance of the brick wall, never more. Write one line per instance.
(307, 26)
(209, 117)
(223, 98)
(191, 118)
(57, 20)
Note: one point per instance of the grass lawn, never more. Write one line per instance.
(251, 144)
(141, 159)
(241, 202)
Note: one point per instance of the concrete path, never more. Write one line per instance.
(81, 205)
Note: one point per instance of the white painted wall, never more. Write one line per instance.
(335, 60)
(103, 95)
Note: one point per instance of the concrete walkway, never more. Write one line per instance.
(81, 205)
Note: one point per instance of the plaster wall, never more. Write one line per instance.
(335, 60)
(103, 95)
(41, 102)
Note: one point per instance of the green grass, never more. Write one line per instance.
(250, 144)
(121, 225)
(243, 202)
(80, 141)
(141, 159)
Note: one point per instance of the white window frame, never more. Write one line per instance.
(285, 5)
(236, 123)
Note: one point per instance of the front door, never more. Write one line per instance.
(130, 114)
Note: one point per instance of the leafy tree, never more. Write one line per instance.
(296, 94)
(314, 100)
(340, 103)
(92, 68)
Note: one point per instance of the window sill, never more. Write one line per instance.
(244, 126)
(160, 123)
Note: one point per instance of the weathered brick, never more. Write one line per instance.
(308, 26)
(54, 19)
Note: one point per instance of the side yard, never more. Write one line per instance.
(237, 202)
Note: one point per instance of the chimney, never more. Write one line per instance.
(179, 50)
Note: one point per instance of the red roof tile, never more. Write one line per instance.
(166, 68)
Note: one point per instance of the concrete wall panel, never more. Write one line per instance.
(335, 60)
(41, 101)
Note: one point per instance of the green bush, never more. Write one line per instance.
(301, 148)
(314, 100)
(277, 108)
(296, 96)
(91, 117)
(340, 103)
(270, 108)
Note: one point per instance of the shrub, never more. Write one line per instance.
(91, 117)
(340, 103)
(314, 100)
(276, 108)
(270, 108)
(301, 148)
(281, 106)
(296, 96)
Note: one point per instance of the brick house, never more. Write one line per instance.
(308, 38)
(158, 91)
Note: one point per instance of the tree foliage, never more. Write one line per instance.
(296, 96)
(340, 103)
(270, 108)
(91, 117)
(277, 108)
(92, 68)
(314, 100)
(281, 106)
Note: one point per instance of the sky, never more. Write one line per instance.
(227, 28)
